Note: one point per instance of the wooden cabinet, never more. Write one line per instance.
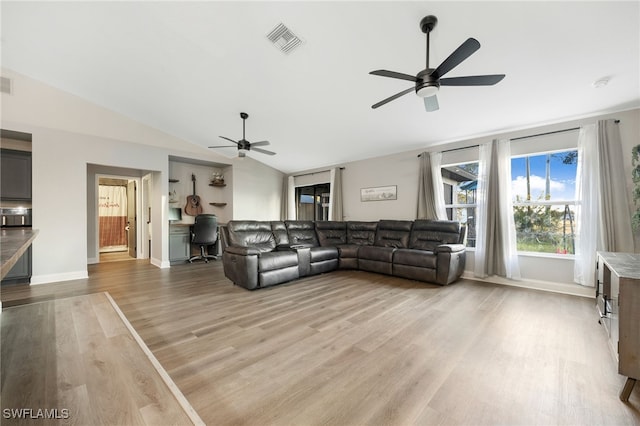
(618, 301)
(15, 174)
(20, 273)
(179, 243)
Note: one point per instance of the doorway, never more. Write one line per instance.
(117, 218)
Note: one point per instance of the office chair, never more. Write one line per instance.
(205, 233)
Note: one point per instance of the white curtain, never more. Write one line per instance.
(588, 236)
(291, 198)
(430, 188)
(438, 185)
(496, 251)
(602, 218)
(335, 195)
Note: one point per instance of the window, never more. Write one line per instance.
(460, 184)
(312, 202)
(543, 190)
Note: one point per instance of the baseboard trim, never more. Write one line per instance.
(552, 287)
(52, 278)
(92, 261)
(160, 263)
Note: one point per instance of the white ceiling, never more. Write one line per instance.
(190, 68)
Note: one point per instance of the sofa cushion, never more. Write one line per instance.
(279, 230)
(277, 260)
(413, 257)
(302, 232)
(331, 233)
(251, 233)
(393, 233)
(428, 234)
(377, 253)
(319, 254)
(361, 233)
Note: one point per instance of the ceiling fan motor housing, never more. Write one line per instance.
(426, 84)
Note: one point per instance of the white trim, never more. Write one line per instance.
(159, 263)
(92, 261)
(52, 278)
(173, 388)
(552, 287)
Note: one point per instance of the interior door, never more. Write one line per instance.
(131, 217)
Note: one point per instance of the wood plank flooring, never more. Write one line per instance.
(352, 347)
(76, 359)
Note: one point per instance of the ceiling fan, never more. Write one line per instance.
(244, 145)
(428, 81)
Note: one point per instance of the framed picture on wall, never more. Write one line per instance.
(379, 193)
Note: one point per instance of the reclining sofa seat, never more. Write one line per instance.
(314, 258)
(390, 235)
(250, 258)
(435, 253)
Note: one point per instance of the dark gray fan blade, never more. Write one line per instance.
(390, 98)
(431, 103)
(261, 143)
(264, 151)
(472, 80)
(230, 140)
(393, 74)
(223, 146)
(465, 50)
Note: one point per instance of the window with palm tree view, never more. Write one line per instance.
(543, 194)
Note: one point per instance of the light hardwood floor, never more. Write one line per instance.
(352, 347)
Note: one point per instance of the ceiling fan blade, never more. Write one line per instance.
(393, 74)
(230, 140)
(472, 80)
(431, 103)
(263, 151)
(390, 98)
(465, 50)
(223, 146)
(261, 143)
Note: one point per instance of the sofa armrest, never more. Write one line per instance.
(449, 248)
(243, 251)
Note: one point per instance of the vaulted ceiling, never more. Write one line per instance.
(190, 68)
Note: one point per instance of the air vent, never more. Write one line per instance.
(284, 39)
(5, 85)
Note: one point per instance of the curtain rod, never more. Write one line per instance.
(520, 138)
(319, 171)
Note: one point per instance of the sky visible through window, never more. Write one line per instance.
(562, 181)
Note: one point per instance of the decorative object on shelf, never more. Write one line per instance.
(217, 179)
(173, 196)
(193, 207)
(380, 193)
(635, 176)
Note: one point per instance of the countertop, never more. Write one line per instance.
(13, 243)
(625, 265)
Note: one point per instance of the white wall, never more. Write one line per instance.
(70, 133)
(257, 190)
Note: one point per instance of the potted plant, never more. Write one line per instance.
(635, 176)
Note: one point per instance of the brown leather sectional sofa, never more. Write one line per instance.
(260, 254)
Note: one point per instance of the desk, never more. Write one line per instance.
(180, 248)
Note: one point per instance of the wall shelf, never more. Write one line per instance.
(174, 180)
(218, 204)
(217, 184)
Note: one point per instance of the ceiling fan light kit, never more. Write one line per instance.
(428, 81)
(243, 144)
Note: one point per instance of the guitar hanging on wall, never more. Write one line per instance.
(193, 207)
